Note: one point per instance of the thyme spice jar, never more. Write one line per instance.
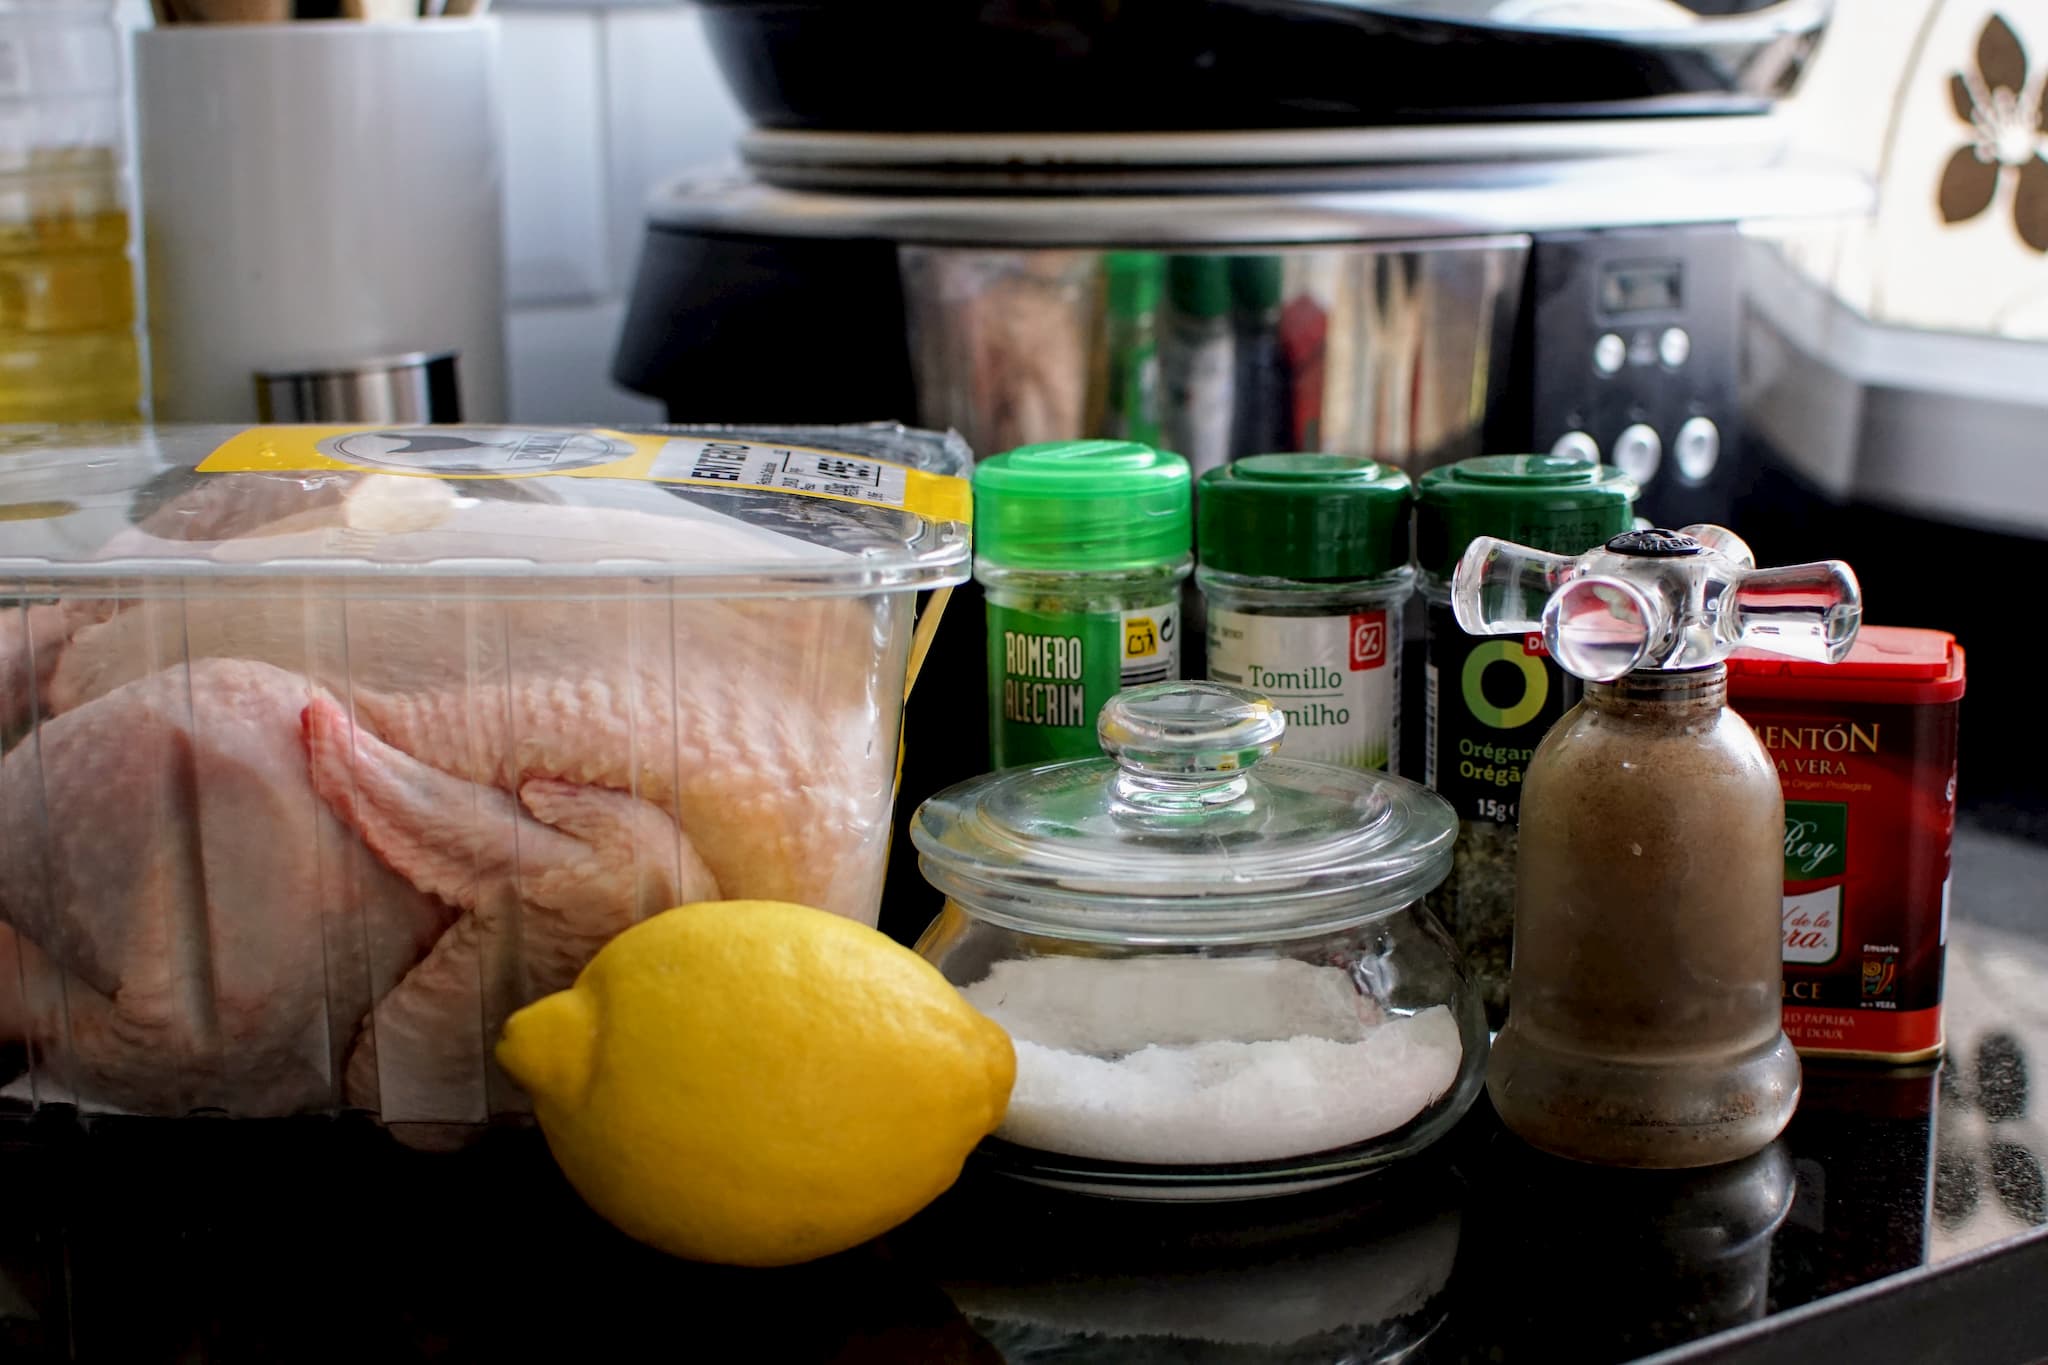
(1214, 962)
(1303, 565)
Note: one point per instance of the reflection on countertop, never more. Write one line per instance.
(1988, 1180)
(143, 1241)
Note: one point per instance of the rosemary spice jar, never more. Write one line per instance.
(1081, 548)
(1304, 570)
(1488, 701)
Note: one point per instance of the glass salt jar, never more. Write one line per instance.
(1215, 963)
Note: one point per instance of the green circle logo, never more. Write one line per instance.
(1535, 683)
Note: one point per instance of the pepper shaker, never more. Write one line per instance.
(1643, 1023)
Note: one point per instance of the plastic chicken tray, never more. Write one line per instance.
(326, 748)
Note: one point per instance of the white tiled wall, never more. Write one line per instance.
(628, 96)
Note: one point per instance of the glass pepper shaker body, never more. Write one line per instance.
(1645, 1022)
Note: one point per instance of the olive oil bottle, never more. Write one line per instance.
(68, 349)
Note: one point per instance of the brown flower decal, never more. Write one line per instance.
(2008, 137)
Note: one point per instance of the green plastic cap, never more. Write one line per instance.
(1546, 502)
(1081, 506)
(1199, 285)
(1256, 283)
(1135, 280)
(1321, 518)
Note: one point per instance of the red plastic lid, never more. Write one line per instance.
(1886, 664)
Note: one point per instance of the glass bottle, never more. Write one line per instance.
(1081, 548)
(1133, 283)
(1262, 415)
(68, 347)
(1643, 1024)
(1197, 361)
(1304, 568)
(1486, 703)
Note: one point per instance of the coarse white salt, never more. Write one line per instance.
(1194, 1061)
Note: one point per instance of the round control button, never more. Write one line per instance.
(1638, 451)
(1577, 445)
(1674, 347)
(1610, 353)
(1696, 449)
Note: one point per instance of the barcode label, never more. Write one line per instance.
(498, 452)
(790, 469)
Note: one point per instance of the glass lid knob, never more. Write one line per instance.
(1657, 600)
(1186, 746)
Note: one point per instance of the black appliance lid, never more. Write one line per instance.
(1158, 65)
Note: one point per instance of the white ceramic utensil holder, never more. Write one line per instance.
(317, 193)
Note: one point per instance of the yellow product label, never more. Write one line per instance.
(1141, 637)
(494, 452)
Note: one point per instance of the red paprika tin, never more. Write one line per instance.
(1866, 754)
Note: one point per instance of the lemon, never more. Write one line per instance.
(759, 1084)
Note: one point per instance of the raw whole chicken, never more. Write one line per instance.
(287, 843)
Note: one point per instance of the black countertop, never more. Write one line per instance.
(1902, 1217)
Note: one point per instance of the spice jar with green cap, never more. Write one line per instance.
(1304, 570)
(1197, 359)
(1080, 548)
(1133, 282)
(1488, 700)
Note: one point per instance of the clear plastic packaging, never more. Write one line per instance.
(325, 755)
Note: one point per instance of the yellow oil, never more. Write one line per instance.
(67, 292)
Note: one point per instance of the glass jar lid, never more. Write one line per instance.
(1188, 831)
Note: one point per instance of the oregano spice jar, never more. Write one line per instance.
(1488, 700)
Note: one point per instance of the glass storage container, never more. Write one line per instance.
(1215, 963)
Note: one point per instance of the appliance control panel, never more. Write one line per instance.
(1633, 349)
